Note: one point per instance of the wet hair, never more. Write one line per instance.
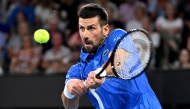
(92, 10)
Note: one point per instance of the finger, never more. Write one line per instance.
(87, 83)
(82, 86)
(87, 86)
(74, 91)
(91, 84)
(78, 91)
(90, 81)
(98, 81)
(91, 76)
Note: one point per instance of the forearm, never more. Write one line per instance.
(70, 103)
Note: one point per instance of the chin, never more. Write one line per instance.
(90, 50)
(87, 50)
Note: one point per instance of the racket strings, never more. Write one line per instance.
(124, 61)
(120, 56)
(132, 55)
(143, 45)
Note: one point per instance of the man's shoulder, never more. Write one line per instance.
(75, 67)
(118, 30)
(115, 35)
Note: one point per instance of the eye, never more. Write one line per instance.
(81, 28)
(91, 28)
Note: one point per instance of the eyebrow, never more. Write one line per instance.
(87, 26)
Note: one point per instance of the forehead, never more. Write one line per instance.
(88, 21)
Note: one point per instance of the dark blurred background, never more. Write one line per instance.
(32, 75)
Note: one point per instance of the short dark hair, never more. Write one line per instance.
(92, 10)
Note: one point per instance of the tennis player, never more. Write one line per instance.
(107, 93)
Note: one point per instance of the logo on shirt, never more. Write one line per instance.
(105, 52)
(116, 38)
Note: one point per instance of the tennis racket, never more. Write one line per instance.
(131, 55)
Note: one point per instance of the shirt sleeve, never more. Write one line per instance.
(114, 36)
(73, 73)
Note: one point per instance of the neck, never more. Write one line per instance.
(103, 41)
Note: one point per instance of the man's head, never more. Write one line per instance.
(93, 26)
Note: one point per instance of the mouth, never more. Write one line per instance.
(88, 43)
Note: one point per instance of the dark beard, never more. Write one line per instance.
(92, 50)
(95, 47)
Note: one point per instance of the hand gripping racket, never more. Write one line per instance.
(131, 55)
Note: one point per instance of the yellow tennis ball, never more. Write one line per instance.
(41, 36)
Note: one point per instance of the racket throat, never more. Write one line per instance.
(98, 77)
(115, 73)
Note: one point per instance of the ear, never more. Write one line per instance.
(106, 29)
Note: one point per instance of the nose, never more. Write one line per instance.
(85, 34)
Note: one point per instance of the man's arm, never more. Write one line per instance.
(73, 88)
(70, 103)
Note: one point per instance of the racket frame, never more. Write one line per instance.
(111, 59)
